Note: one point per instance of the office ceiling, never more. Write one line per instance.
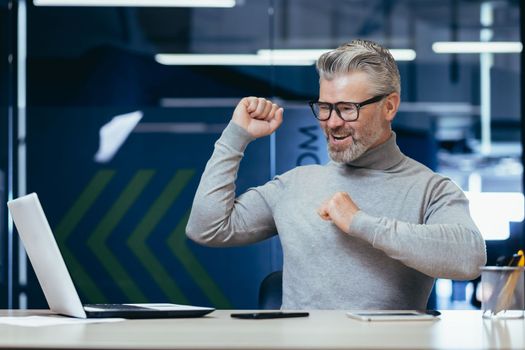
(64, 32)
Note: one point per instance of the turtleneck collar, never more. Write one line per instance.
(382, 157)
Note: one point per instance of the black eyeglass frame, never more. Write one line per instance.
(333, 106)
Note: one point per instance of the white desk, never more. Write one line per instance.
(322, 330)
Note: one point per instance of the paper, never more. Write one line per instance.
(41, 321)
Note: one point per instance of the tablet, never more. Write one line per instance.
(394, 315)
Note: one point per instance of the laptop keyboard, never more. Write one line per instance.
(113, 307)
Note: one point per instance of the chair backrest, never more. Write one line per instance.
(271, 291)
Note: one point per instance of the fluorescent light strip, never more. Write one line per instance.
(138, 3)
(291, 54)
(477, 47)
(212, 60)
(403, 54)
(262, 58)
(313, 54)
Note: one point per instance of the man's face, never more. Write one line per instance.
(349, 140)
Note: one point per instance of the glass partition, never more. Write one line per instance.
(6, 110)
(124, 105)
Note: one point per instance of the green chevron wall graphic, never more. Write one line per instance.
(97, 240)
(177, 244)
(68, 224)
(137, 242)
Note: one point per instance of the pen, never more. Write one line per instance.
(515, 260)
(505, 295)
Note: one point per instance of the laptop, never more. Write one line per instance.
(56, 282)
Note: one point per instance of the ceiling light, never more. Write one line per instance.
(211, 60)
(288, 57)
(311, 55)
(138, 3)
(403, 54)
(477, 47)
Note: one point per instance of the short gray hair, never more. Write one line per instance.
(362, 56)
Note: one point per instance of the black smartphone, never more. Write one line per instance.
(268, 314)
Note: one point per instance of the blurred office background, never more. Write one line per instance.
(110, 113)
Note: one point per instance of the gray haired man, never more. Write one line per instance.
(371, 229)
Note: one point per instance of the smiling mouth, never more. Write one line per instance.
(340, 137)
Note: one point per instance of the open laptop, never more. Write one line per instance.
(54, 278)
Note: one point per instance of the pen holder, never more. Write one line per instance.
(502, 289)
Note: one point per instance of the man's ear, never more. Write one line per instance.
(391, 106)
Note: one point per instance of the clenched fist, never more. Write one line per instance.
(257, 115)
(340, 209)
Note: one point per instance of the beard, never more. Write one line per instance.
(351, 153)
(348, 154)
(368, 136)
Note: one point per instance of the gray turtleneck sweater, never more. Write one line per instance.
(413, 226)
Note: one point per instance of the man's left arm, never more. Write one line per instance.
(447, 245)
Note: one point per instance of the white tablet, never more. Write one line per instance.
(394, 315)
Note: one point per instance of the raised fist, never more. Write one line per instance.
(257, 115)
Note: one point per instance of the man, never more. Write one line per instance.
(373, 228)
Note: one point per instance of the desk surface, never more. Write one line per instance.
(322, 330)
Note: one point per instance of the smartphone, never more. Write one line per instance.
(268, 314)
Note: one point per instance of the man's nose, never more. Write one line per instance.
(334, 121)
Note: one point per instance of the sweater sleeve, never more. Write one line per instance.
(447, 245)
(217, 218)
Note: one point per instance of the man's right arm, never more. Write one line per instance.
(218, 218)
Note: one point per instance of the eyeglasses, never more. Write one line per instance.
(348, 111)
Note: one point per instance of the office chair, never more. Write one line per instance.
(271, 291)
